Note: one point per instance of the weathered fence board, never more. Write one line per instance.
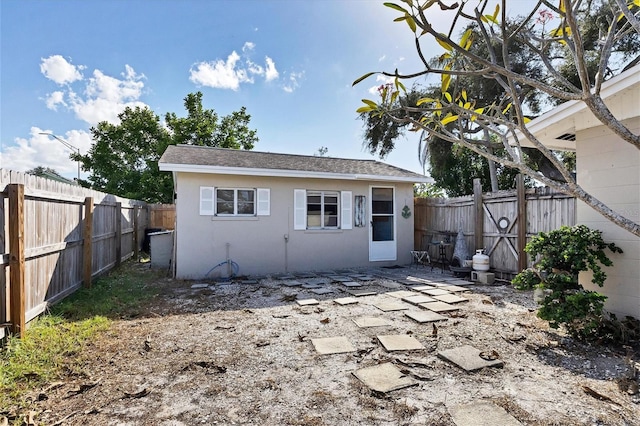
(527, 213)
(162, 216)
(71, 234)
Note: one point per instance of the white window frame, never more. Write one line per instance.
(235, 202)
(261, 201)
(323, 195)
(344, 210)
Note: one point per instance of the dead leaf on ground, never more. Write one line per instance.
(289, 298)
(491, 355)
(140, 394)
(434, 332)
(208, 365)
(262, 343)
(82, 388)
(301, 337)
(591, 392)
(325, 321)
(4, 421)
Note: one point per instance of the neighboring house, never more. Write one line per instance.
(273, 213)
(609, 169)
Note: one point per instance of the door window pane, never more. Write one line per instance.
(382, 228)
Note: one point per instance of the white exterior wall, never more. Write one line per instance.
(609, 169)
(257, 244)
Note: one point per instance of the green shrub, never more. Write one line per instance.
(563, 254)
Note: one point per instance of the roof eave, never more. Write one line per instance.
(244, 171)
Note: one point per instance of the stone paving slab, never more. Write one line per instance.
(361, 293)
(351, 284)
(364, 322)
(315, 281)
(339, 278)
(310, 286)
(418, 299)
(324, 290)
(332, 345)
(450, 298)
(307, 302)
(384, 378)
(425, 316)
(435, 292)
(461, 282)
(390, 285)
(468, 358)
(455, 288)
(346, 301)
(421, 287)
(400, 342)
(292, 283)
(199, 286)
(391, 305)
(364, 277)
(400, 294)
(481, 414)
(438, 306)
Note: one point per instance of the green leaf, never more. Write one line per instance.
(399, 85)
(504, 111)
(496, 11)
(479, 110)
(465, 37)
(446, 80)
(448, 96)
(412, 23)
(401, 18)
(365, 109)
(396, 7)
(370, 103)
(424, 101)
(448, 119)
(444, 44)
(526, 120)
(464, 94)
(364, 77)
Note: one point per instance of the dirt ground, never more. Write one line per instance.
(241, 353)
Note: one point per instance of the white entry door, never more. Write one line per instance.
(382, 230)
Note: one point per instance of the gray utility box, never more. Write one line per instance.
(161, 247)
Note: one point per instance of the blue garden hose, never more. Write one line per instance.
(235, 268)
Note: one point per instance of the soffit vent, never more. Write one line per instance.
(567, 137)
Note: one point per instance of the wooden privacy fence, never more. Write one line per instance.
(162, 216)
(59, 237)
(501, 222)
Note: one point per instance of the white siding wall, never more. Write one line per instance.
(258, 244)
(609, 169)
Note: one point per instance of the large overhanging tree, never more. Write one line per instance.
(123, 159)
(460, 117)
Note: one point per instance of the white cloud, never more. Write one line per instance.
(219, 74)
(101, 97)
(382, 58)
(234, 71)
(54, 99)
(271, 72)
(46, 151)
(248, 46)
(58, 69)
(294, 82)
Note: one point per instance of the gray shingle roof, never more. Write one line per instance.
(189, 155)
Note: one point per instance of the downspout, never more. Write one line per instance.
(175, 224)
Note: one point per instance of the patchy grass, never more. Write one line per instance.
(52, 345)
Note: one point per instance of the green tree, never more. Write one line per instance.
(459, 115)
(123, 159)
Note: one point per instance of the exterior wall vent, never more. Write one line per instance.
(567, 137)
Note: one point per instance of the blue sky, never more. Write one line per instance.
(66, 65)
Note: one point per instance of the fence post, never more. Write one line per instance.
(478, 232)
(118, 233)
(522, 222)
(87, 233)
(17, 295)
(136, 211)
